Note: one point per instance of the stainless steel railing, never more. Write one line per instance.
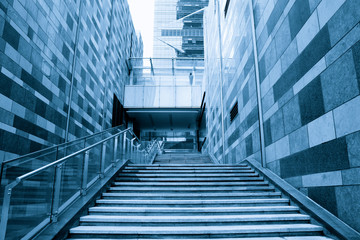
(37, 198)
(12, 168)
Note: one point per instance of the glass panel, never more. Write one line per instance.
(94, 139)
(183, 96)
(167, 71)
(30, 204)
(94, 163)
(70, 148)
(109, 156)
(14, 169)
(167, 96)
(71, 173)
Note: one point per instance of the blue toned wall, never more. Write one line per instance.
(38, 41)
(309, 72)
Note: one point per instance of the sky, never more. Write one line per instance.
(142, 12)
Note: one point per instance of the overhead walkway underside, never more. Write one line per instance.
(165, 118)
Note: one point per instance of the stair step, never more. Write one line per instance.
(199, 220)
(185, 184)
(142, 195)
(188, 171)
(188, 165)
(196, 203)
(192, 210)
(191, 189)
(177, 231)
(174, 179)
(187, 175)
(181, 167)
(246, 238)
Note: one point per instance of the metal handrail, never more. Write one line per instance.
(55, 198)
(61, 160)
(59, 145)
(177, 58)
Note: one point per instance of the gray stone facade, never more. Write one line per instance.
(45, 47)
(309, 72)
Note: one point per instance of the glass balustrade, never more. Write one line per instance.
(37, 197)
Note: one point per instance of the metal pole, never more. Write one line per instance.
(221, 83)
(102, 162)
(5, 209)
(107, 68)
(115, 151)
(258, 88)
(85, 173)
(132, 147)
(124, 146)
(72, 74)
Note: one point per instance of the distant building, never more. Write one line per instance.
(178, 28)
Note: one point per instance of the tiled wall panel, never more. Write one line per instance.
(38, 41)
(309, 64)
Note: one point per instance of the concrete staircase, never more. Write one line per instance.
(194, 201)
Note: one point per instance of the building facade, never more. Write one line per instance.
(62, 64)
(178, 28)
(307, 54)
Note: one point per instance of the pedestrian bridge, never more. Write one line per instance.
(165, 93)
(165, 83)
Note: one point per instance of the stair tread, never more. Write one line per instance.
(193, 209)
(197, 229)
(208, 179)
(203, 199)
(188, 165)
(192, 188)
(188, 171)
(190, 194)
(191, 183)
(192, 201)
(215, 218)
(188, 175)
(181, 167)
(257, 238)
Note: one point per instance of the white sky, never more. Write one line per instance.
(142, 12)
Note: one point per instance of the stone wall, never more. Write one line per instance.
(38, 41)
(309, 71)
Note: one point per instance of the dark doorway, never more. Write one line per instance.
(118, 112)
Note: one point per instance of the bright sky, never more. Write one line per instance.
(142, 12)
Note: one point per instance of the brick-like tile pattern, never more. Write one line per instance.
(309, 67)
(37, 47)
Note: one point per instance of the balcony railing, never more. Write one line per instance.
(166, 71)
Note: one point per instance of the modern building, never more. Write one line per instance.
(63, 66)
(178, 28)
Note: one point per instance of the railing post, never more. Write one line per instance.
(102, 162)
(124, 142)
(132, 148)
(115, 151)
(85, 173)
(124, 145)
(5, 209)
(56, 198)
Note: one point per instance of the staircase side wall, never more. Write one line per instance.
(309, 72)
